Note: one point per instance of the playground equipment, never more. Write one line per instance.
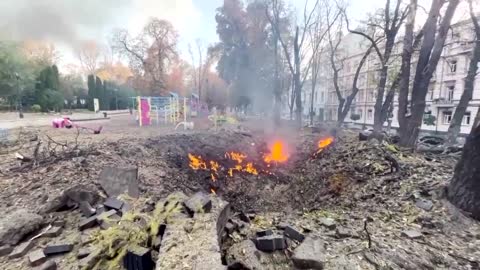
(173, 110)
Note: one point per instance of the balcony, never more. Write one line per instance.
(443, 102)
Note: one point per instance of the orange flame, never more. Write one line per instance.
(277, 153)
(197, 163)
(323, 143)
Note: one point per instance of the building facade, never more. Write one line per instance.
(443, 96)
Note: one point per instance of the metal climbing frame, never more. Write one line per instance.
(169, 110)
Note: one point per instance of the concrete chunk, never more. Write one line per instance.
(88, 223)
(5, 250)
(264, 233)
(271, 243)
(412, 234)
(310, 254)
(53, 232)
(87, 209)
(21, 250)
(112, 203)
(83, 252)
(37, 257)
(199, 203)
(293, 234)
(53, 249)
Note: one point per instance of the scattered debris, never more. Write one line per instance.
(53, 249)
(37, 257)
(116, 181)
(271, 243)
(424, 204)
(412, 234)
(310, 254)
(21, 250)
(328, 223)
(293, 234)
(16, 225)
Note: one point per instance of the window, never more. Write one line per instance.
(371, 95)
(360, 112)
(322, 97)
(466, 119)
(430, 92)
(453, 66)
(450, 92)
(447, 118)
(369, 114)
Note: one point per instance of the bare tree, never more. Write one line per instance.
(430, 51)
(455, 124)
(89, 55)
(201, 65)
(151, 52)
(299, 62)
(389, 24)
(336, 63)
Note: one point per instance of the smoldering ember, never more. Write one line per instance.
(315, 134)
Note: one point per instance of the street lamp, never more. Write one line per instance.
(116, 98)
(19, 98)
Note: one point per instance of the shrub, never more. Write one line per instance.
(355, 117)
(36, 108)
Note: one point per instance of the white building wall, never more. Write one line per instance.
(439, 101)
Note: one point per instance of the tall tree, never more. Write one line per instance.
(150, 53)
(299, 62)
(464, 188)
(381, 32)
(429, 55)
(455, 124)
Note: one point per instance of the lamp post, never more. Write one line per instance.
(116, 98)
(19, 98)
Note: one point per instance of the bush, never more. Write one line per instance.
(36, 108)
(355, 117)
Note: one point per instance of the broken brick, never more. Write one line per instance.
(57, 249)
(125, 208)
(37, 258)
(59, 223)
(5, 250)
(264, 233)
(100, 209)
(293, 234)
(50, 265)
(138, 258)
(109, 221)
(106, 215)
(88, 223)
(271, 243)
(112, 203)
(53, 232)
(21, 250)
(87, 209)
(83, 252)
(199, 202)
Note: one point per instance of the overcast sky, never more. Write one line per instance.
(68, 21)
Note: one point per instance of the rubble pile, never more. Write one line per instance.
(137, 204)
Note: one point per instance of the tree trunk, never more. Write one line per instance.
(407, 52)
(276, 86)
(377, 118)
(296, 79)
(430, 53)
(456, 123)
(464, 189)
(311, 104)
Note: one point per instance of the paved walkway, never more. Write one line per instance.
(11, 120)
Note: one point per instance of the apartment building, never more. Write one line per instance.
(443, 96)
